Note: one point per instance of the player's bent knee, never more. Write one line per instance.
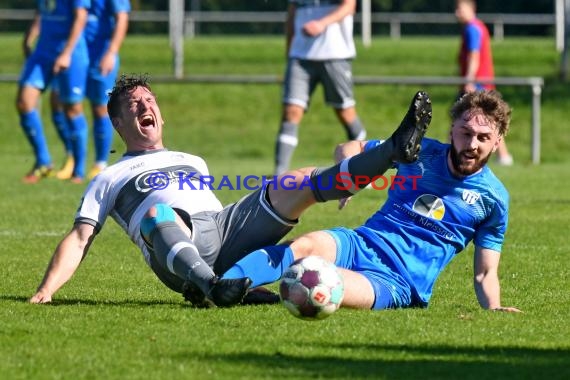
(314, 244)
(302, 247)
(293, 113)
(155, 215)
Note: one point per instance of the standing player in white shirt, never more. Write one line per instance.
(320, 49)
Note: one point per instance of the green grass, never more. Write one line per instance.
(115, 320)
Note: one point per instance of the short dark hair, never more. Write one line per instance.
(490, 103)
(124, 85)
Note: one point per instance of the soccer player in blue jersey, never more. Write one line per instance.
(394, 259)
(60, 52)
(106, 28)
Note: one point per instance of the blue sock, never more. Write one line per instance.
(103, 136)
(60, 122)
(32, 125)
(78, 136)
(263, 266)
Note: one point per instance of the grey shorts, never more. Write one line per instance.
(302, 77)
(225, 237)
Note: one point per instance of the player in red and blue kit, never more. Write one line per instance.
(105, 32)
(60, 52)
(394, 259)
(476, 60)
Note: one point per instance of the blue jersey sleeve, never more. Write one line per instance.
(491, 233)
(473, 38)
(120, 6)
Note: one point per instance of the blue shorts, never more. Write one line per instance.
(352, 252)
(38, 73)
(99, 86)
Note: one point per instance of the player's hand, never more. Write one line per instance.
(62, 62)
(507, 309)
(40, 297)
(342, 203)
(107, 63)
(313, 28)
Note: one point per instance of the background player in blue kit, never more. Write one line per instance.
(60, 52)
(187, 238)
(394, 259)
(106, 28)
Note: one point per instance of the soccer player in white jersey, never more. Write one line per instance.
(320, 49)
(395, 257)
(161, 200)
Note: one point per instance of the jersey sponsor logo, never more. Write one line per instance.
(136, 166)
(424, 216)
(470, 196)
(430, 206)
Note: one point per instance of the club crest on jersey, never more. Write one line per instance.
(470, 197)
(430, 206)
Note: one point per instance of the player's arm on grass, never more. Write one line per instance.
(64, 262)
(343, 151)
(486, 279)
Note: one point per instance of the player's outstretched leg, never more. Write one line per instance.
(356, 172)
(407, 138)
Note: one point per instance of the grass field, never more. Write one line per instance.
(114, 320)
